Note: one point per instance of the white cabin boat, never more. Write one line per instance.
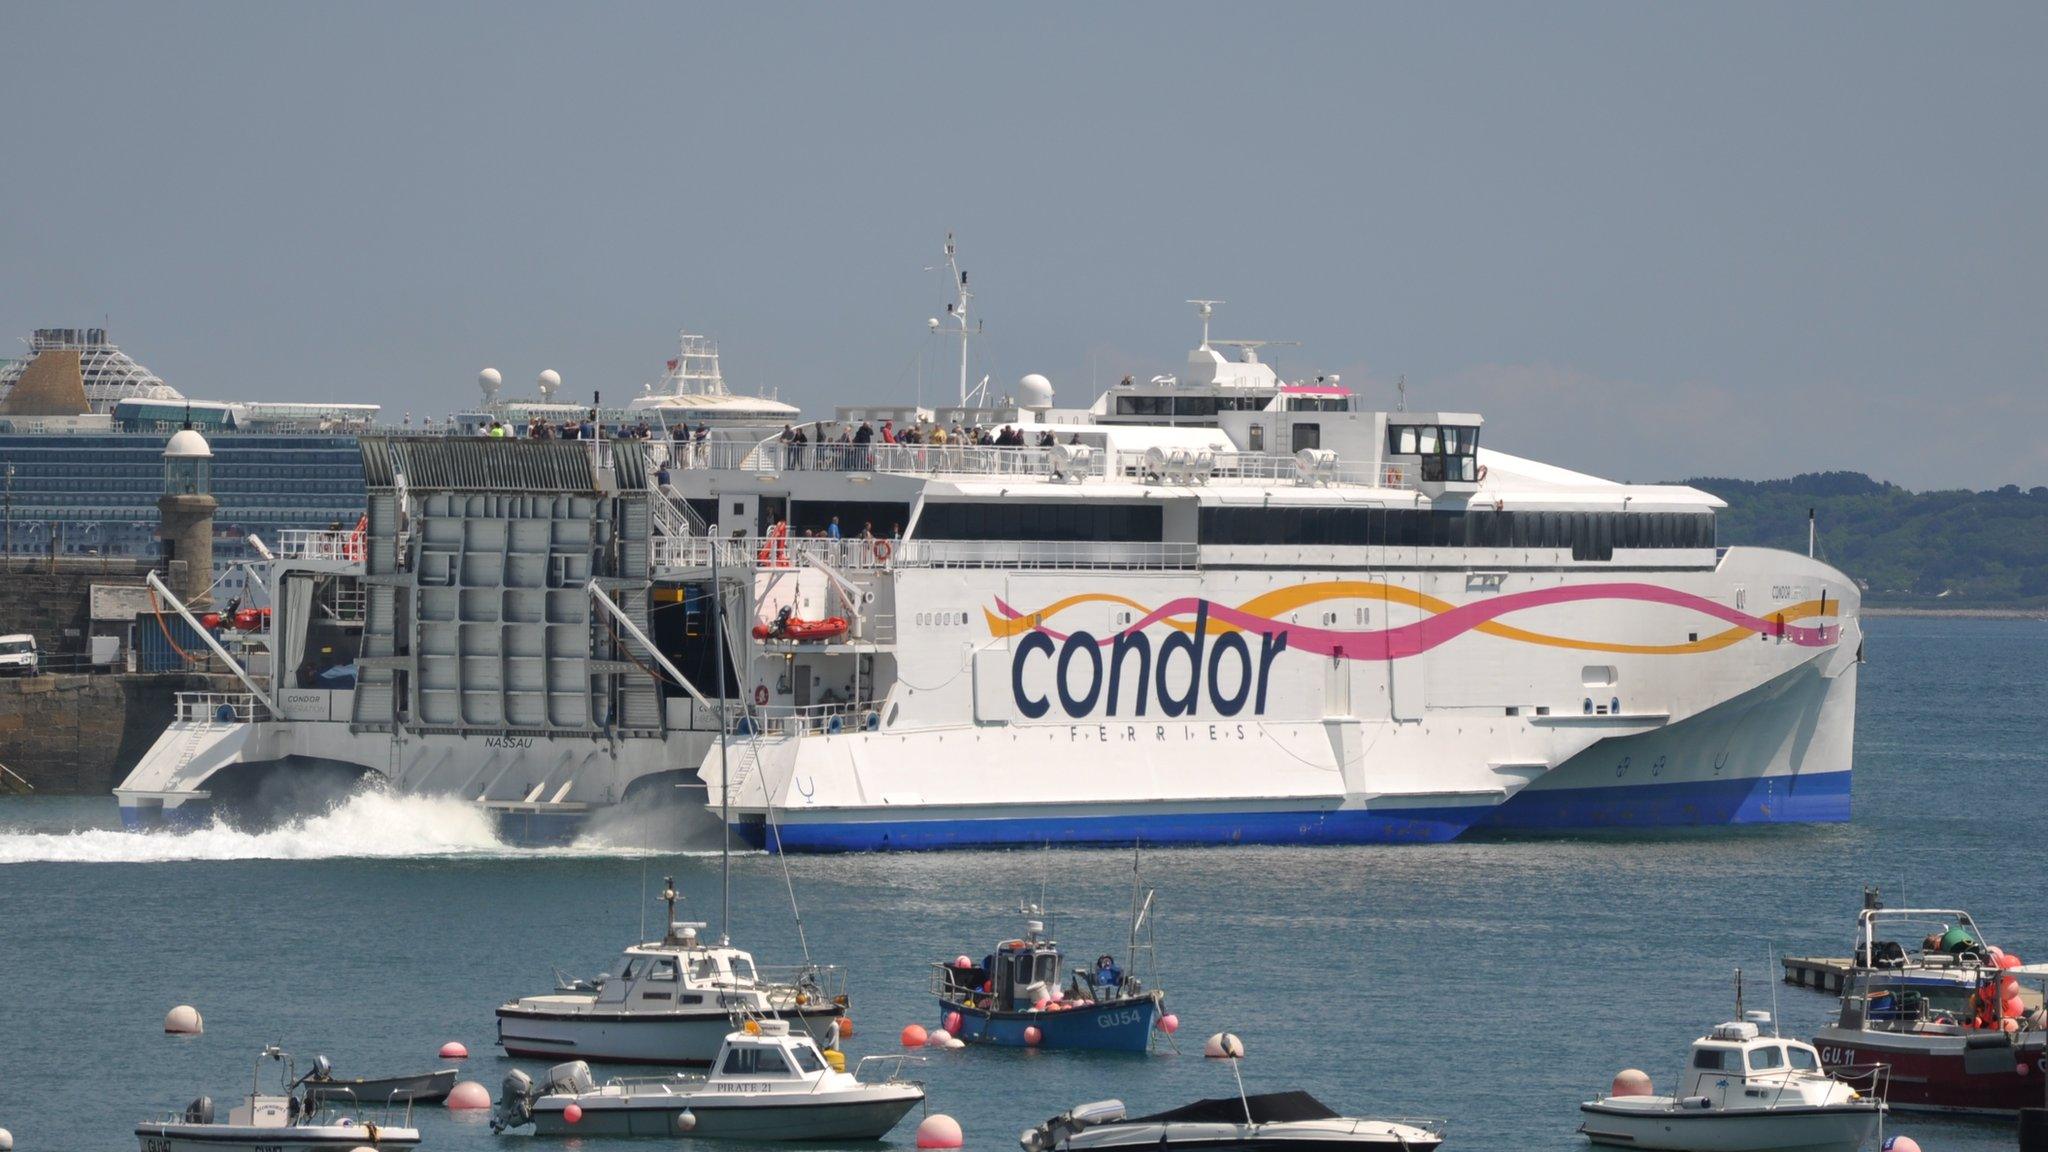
(1743, 1092)
(769, 1083)
(669, 1001)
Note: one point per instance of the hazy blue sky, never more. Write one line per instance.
(1647, 240)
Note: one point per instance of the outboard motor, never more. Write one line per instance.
(199, 1111)
(323, 1068)
(515, 1101)
(569, 1079)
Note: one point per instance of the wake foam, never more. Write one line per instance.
(370, 824)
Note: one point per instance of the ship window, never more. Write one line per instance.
(1714, 1059)
(743, 969)
(1802, 1058)
(633, 967)
(807, 1058)
(751, 1061)
(1144, 405)
(1308, 436)
(1067, 520)
(664, 971)
(1401, 440)
(1762, 1058)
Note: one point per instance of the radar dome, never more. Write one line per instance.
(490, 380)
(549, 381)
(1034, 393)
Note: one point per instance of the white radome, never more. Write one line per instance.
(1034, 392)
(549, 381)
(186, 444)
(490, 380)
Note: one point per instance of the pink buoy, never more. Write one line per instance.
(1901, 1144)
(469, 1095)
(953, 1022)
(1032, 1035)
(2008, 960)
(938, 1038)
(914, 1036)
(572, 1114)
(2013, 1007)
(1169, 1023)
(2022, 1068)
(939, 1130)
(1631, 1082)
(454, 1050)
(962, 962)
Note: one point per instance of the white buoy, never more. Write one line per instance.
(686, 1120)
(469, 1095)
(938, 1038)
(6, 1140)
(939, 1130)
(1223, 1046)
(956, 1042)
(184, 1021)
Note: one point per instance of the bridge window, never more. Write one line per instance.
(1066, 520)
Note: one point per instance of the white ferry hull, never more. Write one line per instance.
(1594, 701)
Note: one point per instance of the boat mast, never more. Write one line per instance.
(724, 765)
(957, 310)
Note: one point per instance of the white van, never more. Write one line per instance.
(18, 655)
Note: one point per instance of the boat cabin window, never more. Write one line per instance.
(1064, 520)
(743, 969)
(664, 970)
(751, 1061)
(1449, 451)
(1761, 1059)
(633, 968)
(1717, 1059)
(706, 969)
(807, 1058)
(1803, 1059)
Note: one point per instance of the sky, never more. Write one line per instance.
(1644, 240)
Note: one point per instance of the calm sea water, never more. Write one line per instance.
(1494, 984)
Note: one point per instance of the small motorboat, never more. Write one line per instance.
(266, 1122)
(1266, 1120)
(1017, 997)
(768, 1083)
(1742, 1091)
(321, 1085)
(669, 1001)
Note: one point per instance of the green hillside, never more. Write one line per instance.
(1984, 549)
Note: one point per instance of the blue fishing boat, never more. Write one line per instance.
(1022, 996)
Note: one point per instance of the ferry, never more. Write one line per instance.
(1216, 606)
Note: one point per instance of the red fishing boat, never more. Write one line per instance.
(1945, 1011)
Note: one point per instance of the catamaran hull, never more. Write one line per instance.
(748, 1120)
(1832, 1129)
(685, 1040)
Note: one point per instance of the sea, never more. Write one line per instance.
(1493, 985)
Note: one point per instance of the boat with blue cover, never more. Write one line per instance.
(1017, 996)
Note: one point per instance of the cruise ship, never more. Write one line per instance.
(82, 430)
(1215, 606)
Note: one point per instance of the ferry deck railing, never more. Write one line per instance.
(807, 719)
(219, 708)
(858, 554)
(319, 544)
(1176, 466)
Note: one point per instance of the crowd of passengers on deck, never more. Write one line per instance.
(816, 446)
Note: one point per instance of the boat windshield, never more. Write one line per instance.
(1763, 1059)
(1803, 1059)
(742, 970)
(807, 1058)
(750, 1061)
(16, 647)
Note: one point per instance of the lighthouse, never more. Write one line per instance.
(186, 515)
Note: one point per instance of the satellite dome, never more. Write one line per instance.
(185, 444)
(549, 381)
(490, 380)
(1034, 393)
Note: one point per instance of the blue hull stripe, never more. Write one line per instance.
(1808, 799)
(1815, 798)
(1123, 1027)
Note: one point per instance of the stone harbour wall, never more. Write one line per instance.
(79, 735)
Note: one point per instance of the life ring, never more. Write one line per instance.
(760, 694)
(882, 549)
(1482, 472)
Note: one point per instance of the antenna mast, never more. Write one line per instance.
(958, 309)
(1206, 309)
